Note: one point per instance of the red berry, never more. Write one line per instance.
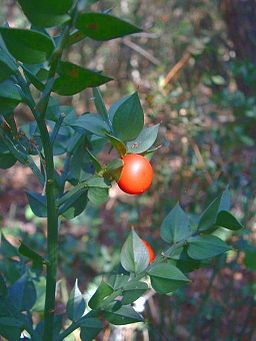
(150, 251)
(136, 175)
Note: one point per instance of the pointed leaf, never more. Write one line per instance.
(117, 144)
(204, 247)
(144, 141)
(76, 304)
(28, 46)
(7, 66)
(37, 202)
(101, 26)
(209, 216)
(22, 293)
(125, 315)
(132, 291)
(90, 328)
(128, 120)
(99, 104)
(26, 251)
(98, 196)
(92, 123)
(73, 79)
(134, 254)
(227, 220)
(10, 95)
(103, 291)
(175, 227)
(7, 160)
(46, 13)
(166, 278)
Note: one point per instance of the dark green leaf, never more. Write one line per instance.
(101, 26)
(113, 169)
(175, 227)
(227, 220)
(46, 13)
(209, 216)
(22, 293)
(28, 46)
(125, 315)
(99, 104)
(144, 141)
(117, 144)
(26, 251)
(115, 106)
(134, 254)
(103, 291)
(166, 278)
(203, 247)
(7, 66)
(132, 291)
(7, 160)
(75, 205)
(118, 281)
(90, 328)
(92, 123)
(76, 304)
(37, 202)
(73, 79)
(31, 77)
(3, 288)
(128, 120)
(98, 196)
(182, 261)
(6, 248)
(11, 328)
(10, 95)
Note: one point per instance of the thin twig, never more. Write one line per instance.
(141, 51)
(177, 67)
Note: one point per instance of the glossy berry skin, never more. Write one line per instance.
(150, 251)
(136, 175)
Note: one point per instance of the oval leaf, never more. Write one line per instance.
(10, 95)
(101, 26)
(37, 202)
(227, 220)
(103, 291)
(28, 46)
(92, 123)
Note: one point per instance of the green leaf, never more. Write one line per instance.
(128, 120)
(28, 46)
(46, 13)
(113, 169)
(73, 79)
(103, 291)
(98, 196)
(7, 66)
(90, 328)
(134, 254)
(7, 160)
(97, 181)
(32, 78)
(118, 281)
(11, 328)
(115, 106)
(92, 123)
(99, 104)
(144, 141)
(75, 205)
(166, 278)
(76, 304)
(182, 261)
(6, 248)
(10, 95)
(22, 293)
(117, 144)
(3, 288)
(37, 202)
(209, 216)
(26, 251)
(132, 291)
(203, 247)
(175, 227)
(125, 315)
(40, 287)
(101, 26)
(227, 220)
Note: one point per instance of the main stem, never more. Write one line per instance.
(52, 235)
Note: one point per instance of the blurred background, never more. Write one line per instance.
(194, 67)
